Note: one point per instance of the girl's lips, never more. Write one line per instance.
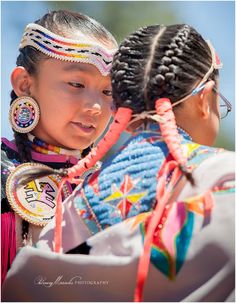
(85, 129)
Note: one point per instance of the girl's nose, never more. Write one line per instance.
(94, 106)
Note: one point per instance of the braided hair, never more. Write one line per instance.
(66, 24)
(152, 63)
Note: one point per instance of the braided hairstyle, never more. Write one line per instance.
(66, 24)
(153, 63)
(160, 62)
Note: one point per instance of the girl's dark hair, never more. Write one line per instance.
(66, 24)
(159, 62)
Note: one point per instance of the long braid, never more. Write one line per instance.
(171, 136)
(21, 140)
(25, 156)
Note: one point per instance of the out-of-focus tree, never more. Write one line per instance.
(122, 17)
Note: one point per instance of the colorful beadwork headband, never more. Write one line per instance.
(82, 50)
(216, 64)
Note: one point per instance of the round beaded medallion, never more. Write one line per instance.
(24, 114)
(36, 201)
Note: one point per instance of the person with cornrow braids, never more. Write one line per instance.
(60, 105)
(158, 213)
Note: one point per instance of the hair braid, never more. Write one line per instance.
(129, 65)
(25, 156)
(175, 70)
(21, 141)
(170, 134)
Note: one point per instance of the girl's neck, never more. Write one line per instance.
(42, 147)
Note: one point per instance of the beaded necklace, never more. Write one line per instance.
(42, 147)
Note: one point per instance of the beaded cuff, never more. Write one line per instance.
(82, 50)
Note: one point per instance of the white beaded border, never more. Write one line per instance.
(10, 188)
(105, 53)
(11, 115)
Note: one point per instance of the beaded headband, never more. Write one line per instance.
(216, 64)
(82, 50)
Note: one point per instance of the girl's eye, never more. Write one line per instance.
(76, 84)
(107, 92)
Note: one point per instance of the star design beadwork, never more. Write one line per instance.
(123, 198)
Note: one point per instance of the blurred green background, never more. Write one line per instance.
(213, 19)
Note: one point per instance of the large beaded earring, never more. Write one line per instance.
(24, 114)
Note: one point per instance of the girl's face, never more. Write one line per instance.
(200, 116)
(210, 126)
(75, 103)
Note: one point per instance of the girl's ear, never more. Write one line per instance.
(204, 103)
(20, 80)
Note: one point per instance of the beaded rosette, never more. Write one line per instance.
(34, 202)
(82, 50)
(24, 114)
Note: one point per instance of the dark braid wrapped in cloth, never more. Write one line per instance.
(156, 222)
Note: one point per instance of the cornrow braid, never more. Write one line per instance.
(175, 71)
(148, 67)
(165, 69)
(129, 65)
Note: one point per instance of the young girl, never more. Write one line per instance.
(60, 104)
(169, 191)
